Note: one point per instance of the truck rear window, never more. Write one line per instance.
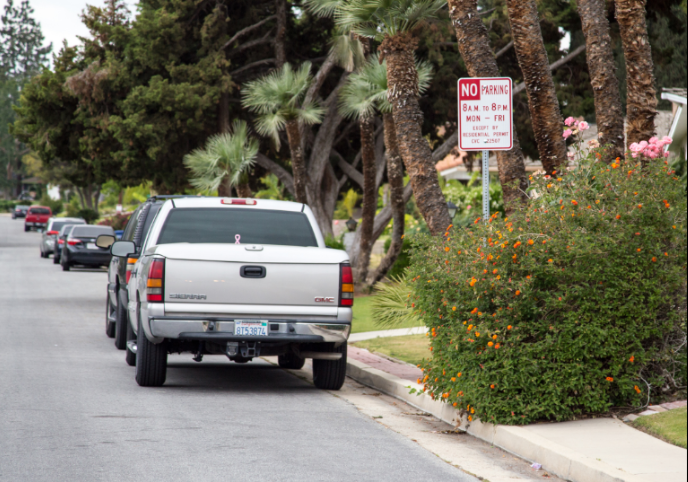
(39, 211)
(249, 226)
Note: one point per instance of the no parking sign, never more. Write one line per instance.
(485, 114)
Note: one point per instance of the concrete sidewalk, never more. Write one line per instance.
(596, 450)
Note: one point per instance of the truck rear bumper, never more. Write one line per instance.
(222, 329)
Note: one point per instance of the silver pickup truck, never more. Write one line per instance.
(242, 278)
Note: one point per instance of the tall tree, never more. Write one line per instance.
(641, 97)
(542, 97)
(225, 162)
(392, 22)
(605, 85)
(474, 45)
(22, 56)
(278, 99)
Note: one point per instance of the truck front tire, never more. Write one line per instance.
(290, 361)
(151, 361)
(109, 326)
(330, 374)
(120, 324)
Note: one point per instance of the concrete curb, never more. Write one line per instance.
(556, 459)
(369, 335)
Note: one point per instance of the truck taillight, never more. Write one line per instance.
(154, 287)
(346, 290)
(130, 266)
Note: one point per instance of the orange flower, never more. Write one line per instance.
(614, 165)
(654, 259)
(517, 244)
(453, 308)
(473, 282)
(636, 388)
(632, 359)
(618, 216)
(454, 404)
(492, 386)
(550, 260)
(509, 327)
(445, 395)
(639, 250)
(494, 337)
(609, 379)
(446, 248)
(640, 206)
(453, 379)
(531, 242)
(484, 271)
(474, 311)
(574, 202)
(458, 252)
(458, 375)
(495, 271)
(518, 292)
(490, 344)
(470, 419)
(497, 346)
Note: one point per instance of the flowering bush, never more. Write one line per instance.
(573, 305)
(118, 221)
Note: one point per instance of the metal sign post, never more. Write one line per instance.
(485, 122)
(486, 185)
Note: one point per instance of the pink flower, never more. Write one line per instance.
(667, 153)
(635, 147)
(594, 144)
(583, 126)
(567, 133)
(469, 207)
(336, 223)
(654, 140)
(570, 121)
(570, 155)
(643, 144)
(667, 140)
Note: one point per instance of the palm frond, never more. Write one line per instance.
(311, 113)
(323, 8)
(356, 99)
(391, 306)
(270, 125)
(348, 51)
(375, 19)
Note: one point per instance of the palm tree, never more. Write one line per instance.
(225, 162)
(364, 94)
(542, 98)
(277, 98)
(392, 23)
(474, 45)
(641, 99)
(605, 85)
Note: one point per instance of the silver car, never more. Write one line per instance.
(49, 236)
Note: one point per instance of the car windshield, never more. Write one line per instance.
(246, 226)
(40, 211)
(90, 231)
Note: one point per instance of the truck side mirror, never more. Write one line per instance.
(123, 248)
(105, 241)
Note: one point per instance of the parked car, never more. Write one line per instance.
(80, 247)
(61, 240)
(49, 237)
(37, 217)
(19, 211)
(241, 278)
(119, 271)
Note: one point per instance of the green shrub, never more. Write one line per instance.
(573, 305)
(87, 214)
(8, 206)
(334, 243)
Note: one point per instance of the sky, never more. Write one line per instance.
(60, 19)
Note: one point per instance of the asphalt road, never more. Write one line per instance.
(70, 409)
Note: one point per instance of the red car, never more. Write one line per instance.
(37, 217)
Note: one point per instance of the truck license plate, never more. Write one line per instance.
(250, 328)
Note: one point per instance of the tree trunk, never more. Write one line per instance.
(297, 163)
(402, 78)
(223, 113)
(605, 85)
(96, 197)
(367, 129)
(542, 98)
(395, 175)
(641, 97)
(280, 37)
(80, 192)
(474, 45)
(225, 188)
(243, 190)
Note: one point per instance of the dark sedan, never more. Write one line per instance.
(19, 211)
(61, 240)
(80, 247)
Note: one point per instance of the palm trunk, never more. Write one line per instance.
(225, 187)
(243, 190)
(395, 175)
(641, 97)
(402, 78)
(297, 163)
(605, 85)
(367, 129)
(542, 98)
(474, 45)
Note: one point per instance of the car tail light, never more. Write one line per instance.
(346, 285)
(52, 233)
(243, 202)
(73, 242)
(130, 266)
(60, 241)
(154, 287)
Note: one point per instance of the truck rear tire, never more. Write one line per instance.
(26, 228)
(151, 361)
(290, 361)
(120, 324)
(330, 374)
(130, 357)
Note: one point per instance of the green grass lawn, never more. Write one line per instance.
(411, 349)
(669, 426)
(363, 319)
